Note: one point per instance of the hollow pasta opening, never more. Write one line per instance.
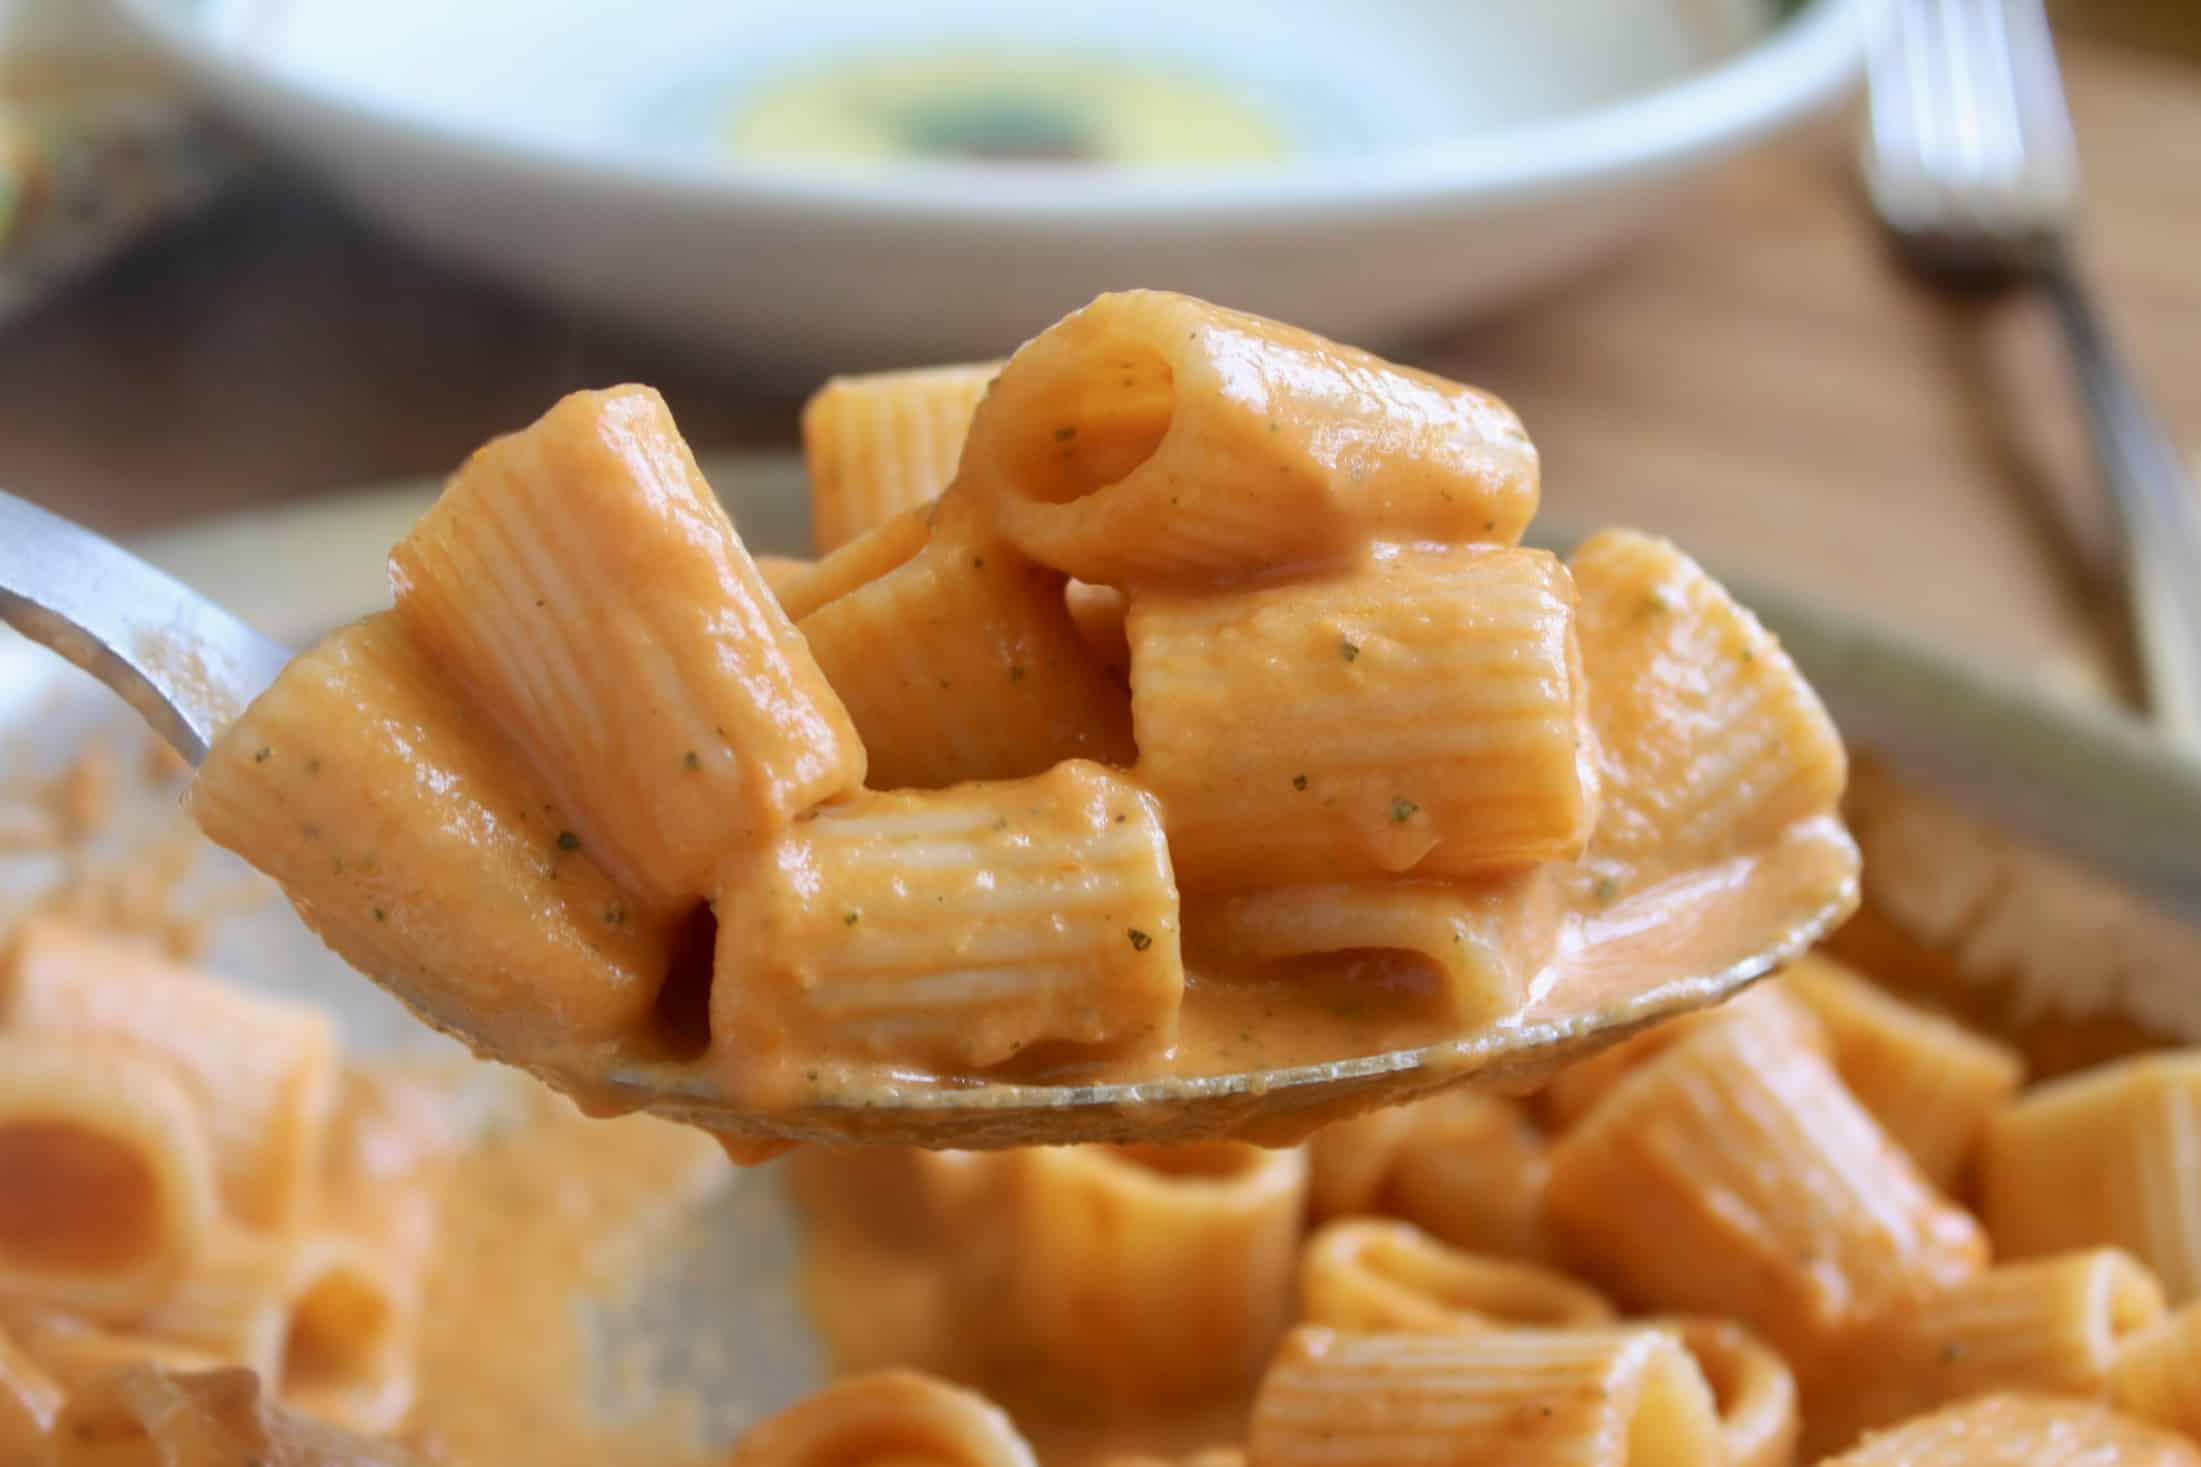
(1666, 1428)
(1197, 1161)
(75, 1200)
(681, 1016)
(339, 1330)
(1096, 429)
(1723, 1372)
(2133, 1306)
(1478, 1286)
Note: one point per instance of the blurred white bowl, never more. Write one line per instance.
(1442, 154)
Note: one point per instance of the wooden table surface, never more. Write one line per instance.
(1755, 378)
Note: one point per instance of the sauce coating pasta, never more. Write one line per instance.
(627, 815)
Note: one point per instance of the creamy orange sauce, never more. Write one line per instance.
(540, 1214)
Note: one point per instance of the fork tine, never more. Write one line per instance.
(2040, 104)
(1969, 138)
(1892, 158)
(1958, 120)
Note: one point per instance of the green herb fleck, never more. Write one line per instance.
(1349, 650)
(262, 755)
(691, 761)
(1403, 810)
(851, 919)
(1140, 942)
(1299, 781)
(1489, 526)
(380, 915)
(1016, 672)
(313, 766)
(1066, 432)
(1606, 889)
(615, 915)
(568, 841)
(1274, 426)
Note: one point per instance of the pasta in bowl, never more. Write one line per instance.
(1193, 750)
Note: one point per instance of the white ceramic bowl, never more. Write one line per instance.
(1444, 154)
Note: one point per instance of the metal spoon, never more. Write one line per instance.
(188, 667)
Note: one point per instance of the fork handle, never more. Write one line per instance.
(2155, 506)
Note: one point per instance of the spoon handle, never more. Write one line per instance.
(183, 663)
(2155, 504)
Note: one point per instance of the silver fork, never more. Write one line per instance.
(1970, 163)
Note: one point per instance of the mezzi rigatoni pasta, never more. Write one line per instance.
(2157, 1374)
(1349, 1162)
(1931, 1083)
(108, 1191)
(1134, 442)
(1752, 1387)
(1709, 741)
(1472, 1169)
(955, 928)
(1148, 1276)
(2056, 1325)
(580, 582)
(1613, 1397)
(877, 443)
(859, 562)
(1380, 1276)
(963, 663)
(2106, 1156)
(1475, 948)
(416, 845)
(260, 1070)
(1577, 1090)
(1734, 1175)
(1420, 712)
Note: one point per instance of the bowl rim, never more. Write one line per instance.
(1801, 63)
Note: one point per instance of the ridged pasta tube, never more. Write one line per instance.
(1423, 712)
(878, 443)
(580, 582)
(1153, 438)
(957, 929)
(1611, 1397)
